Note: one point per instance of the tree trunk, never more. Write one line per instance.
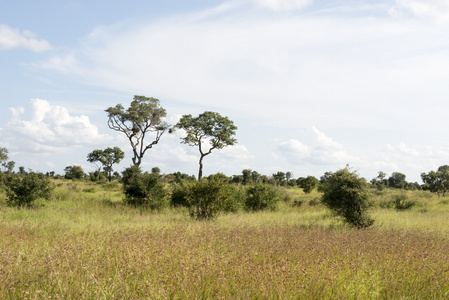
(200, 172)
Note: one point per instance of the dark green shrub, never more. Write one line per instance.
(347, 196)
(262, 197)
(143, 189)
(74, 172)
(206, 198)
(179, 194)
(23, 191)
(308, 184)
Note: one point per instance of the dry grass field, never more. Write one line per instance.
(85, 243)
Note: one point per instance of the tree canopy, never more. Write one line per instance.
(437, 182)
(107, 158)
(208, 126)
(144, 116)
(347, 195)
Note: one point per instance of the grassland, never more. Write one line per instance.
(85, 243)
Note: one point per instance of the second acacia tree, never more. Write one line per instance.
(209, 127)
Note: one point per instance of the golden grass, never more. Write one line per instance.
(86, 244)
(211, 261)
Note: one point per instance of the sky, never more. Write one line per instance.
(312, 85)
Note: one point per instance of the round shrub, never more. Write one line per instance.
(262, 197)
(206, 198)
(347, 196)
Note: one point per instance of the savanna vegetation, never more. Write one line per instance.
(140, 234)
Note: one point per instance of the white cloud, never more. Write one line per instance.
(11, 38)
(52, 128)
(436, 9)
(321, 68)
(320, 149)
(279, 5)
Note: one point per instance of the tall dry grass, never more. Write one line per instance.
(86, 244)
(211, 261)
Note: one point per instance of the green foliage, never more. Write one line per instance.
(206, 198)
(397, 180)
(437, 182)
(143, 189)
(308, 184)
(208, 126)
(279, 178)
(3, 155)
(74, 172)
(107, 158)
(262, 197)
(178, 196)
(23, 191)
(144, 116)
(380, 182)
(347, 196)
(8, 166)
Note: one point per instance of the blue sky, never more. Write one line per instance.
(312, 85)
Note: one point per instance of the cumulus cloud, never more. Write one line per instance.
(279, 5)
(320, 149)
(52, 128)
(11, 38)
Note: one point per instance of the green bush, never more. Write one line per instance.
(308, 184)
(262, 197)
(144, 189)
(401, 202)
(179, 193)
(208, 197)
(236, 196)
(347, 196)
(182, 193)
(23, 191)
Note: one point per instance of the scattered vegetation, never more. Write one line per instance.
(88, 243)
(137, 235)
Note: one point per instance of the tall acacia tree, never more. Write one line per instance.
(208, 126)
(144, 116)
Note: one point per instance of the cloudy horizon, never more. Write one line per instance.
(312, 85)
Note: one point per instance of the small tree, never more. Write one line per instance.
(208, 126)
(107, 158)
(437, 182)
(279, 177)
(397, 180)
(3, 155)
(308, 183)
(74, 172)
(8, 166)
(347, 196)
(144, 116)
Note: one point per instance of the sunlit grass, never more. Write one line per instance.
(85, 243)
